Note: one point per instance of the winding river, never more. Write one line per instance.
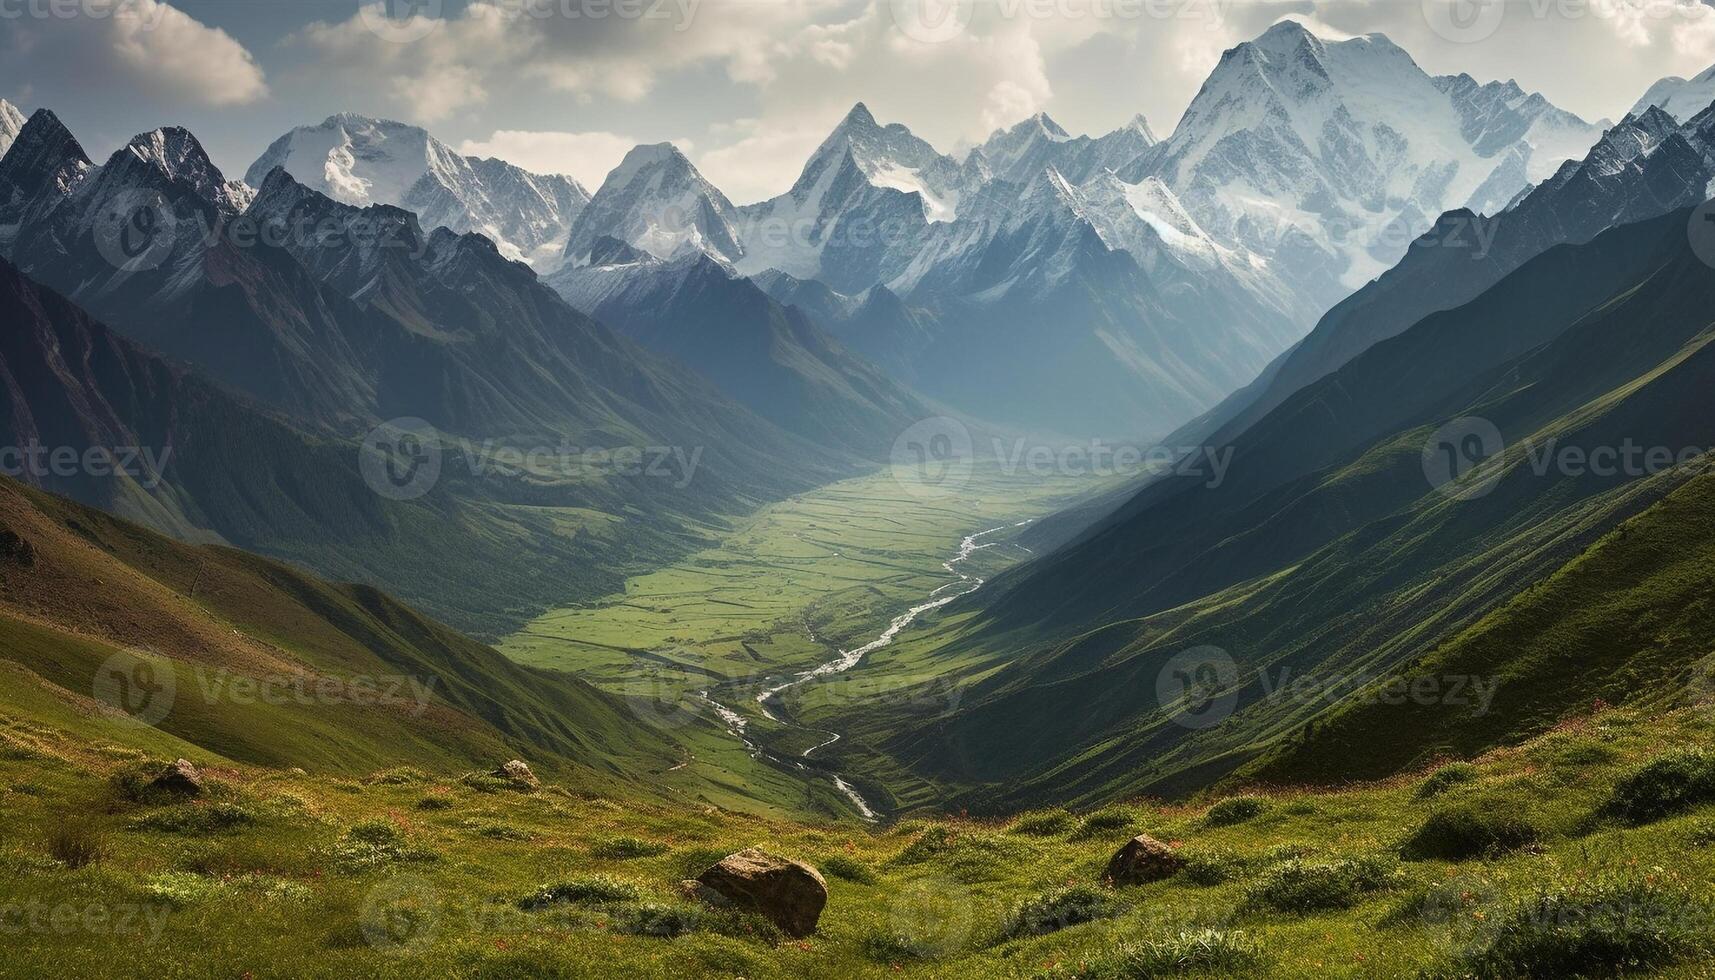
(964, 585)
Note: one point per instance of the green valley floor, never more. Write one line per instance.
(785, 591)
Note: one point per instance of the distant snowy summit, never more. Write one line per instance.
(1681, 98)
(362, 161)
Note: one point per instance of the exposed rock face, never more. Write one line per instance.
(180, 779)
(15, 549)
(789, 893)
(1143, 859)
(519, 774)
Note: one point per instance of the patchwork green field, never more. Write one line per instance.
(787, 590)
(1587, 852)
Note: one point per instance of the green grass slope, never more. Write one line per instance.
(267, 665)
(1583, 853)
(1344, 574)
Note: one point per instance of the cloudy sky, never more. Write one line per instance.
(749, 87)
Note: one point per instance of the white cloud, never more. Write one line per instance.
(585, 156)
(760, 158)
(138, 48)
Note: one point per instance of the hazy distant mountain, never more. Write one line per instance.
(772, 358)
(359, 160)
(1094, 309)
(338, 317)
(862, 201)
(1681, 98)
(1528, 134)
(1641, 168)
(1039, 142)
(655, 200)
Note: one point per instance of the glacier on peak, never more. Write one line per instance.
(11, 123)
(1681, 98)
(360, 160)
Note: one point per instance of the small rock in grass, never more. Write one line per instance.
(180, 779)
(519, 774)
(1143, 859)
(789, 893)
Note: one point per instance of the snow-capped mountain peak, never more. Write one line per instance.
(1681, 98)
(11, 121)
(1287, 39)
(177, 155)
(657, 201)
(1140, 126)
(882, 184)
(360, 160)
(44, 159)
(888, 156)
(356, 159)
(1019, 153)
(1048, 127)
(1329, 156)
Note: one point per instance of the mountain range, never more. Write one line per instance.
(1328, 157)
(1333, 555)
(333, 319)
(362, 161)
(1333, 257)
(1645, 166)
(1175, 270)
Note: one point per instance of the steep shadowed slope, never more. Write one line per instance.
(1333, 553)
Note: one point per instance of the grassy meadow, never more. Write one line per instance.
(784, 591)
(1589, 848)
